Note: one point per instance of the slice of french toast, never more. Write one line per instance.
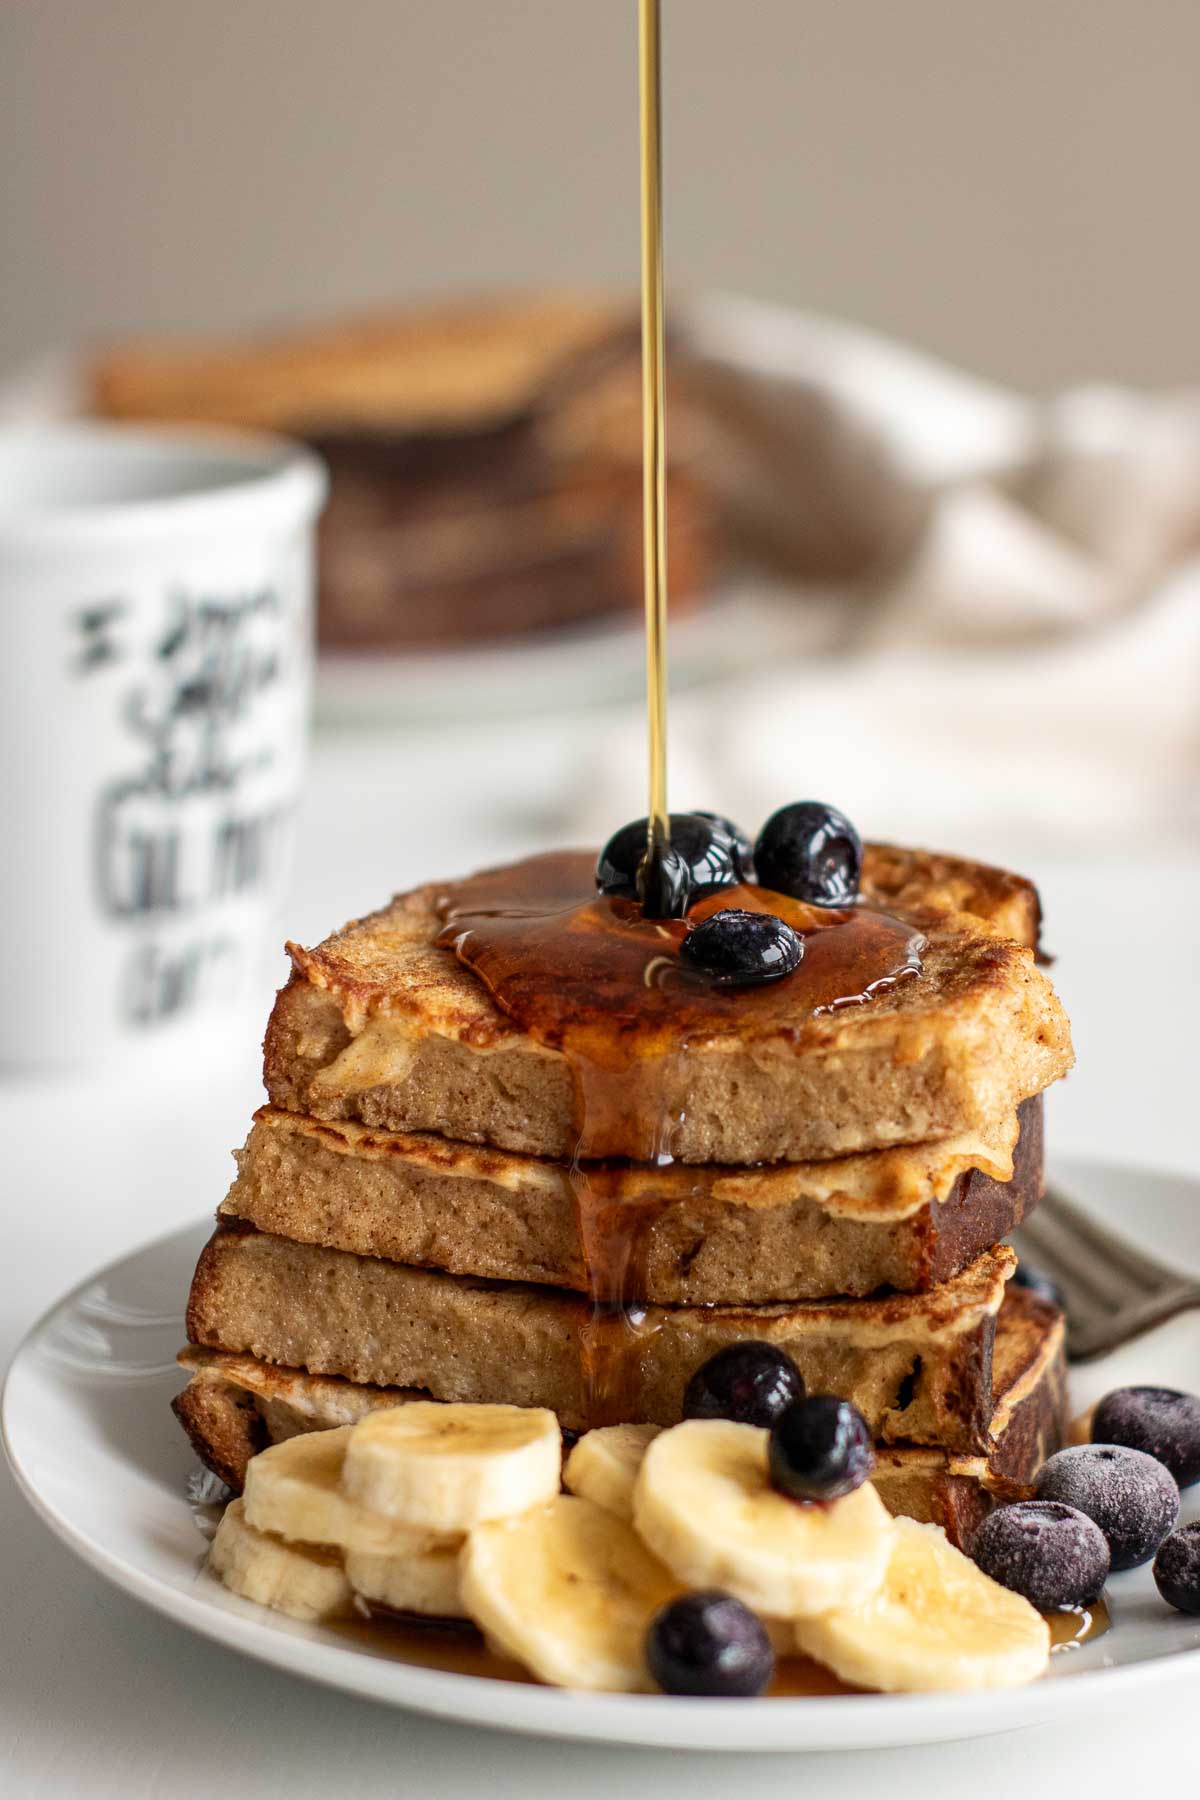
(700, 1234)
(918, 1366)
(381, 1025)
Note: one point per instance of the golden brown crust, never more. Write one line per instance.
(484, 459)
(224, 1426)
(1010, 904)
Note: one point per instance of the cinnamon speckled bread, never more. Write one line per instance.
(904, 1218)
(233, 1406)
(918, 1366)
(380, 1025)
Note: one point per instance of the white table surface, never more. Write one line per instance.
(99, 1697)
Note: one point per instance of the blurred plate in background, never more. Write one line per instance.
(739, 629)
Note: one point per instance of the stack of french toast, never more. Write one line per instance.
(423, 1207)
(484, 460)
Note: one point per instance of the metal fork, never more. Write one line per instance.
(1111, 1291)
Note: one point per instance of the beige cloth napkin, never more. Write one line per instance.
(1004, 596)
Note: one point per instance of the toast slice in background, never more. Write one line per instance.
(484, 459)
(461, 367)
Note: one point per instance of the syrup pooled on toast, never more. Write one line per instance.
(591, 976)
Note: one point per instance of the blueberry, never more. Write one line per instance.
(743, 848)
(740, 949)
(1052, 1554)
(707, 846)
(820, 1449)
(664, 883)
(751, 1383)
(1177, 1569)
(1132, 1498)
(1036, 1282)
(810, 851)
(709, 1643)
(1161, 1421)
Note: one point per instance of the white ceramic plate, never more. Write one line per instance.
(93, 1444)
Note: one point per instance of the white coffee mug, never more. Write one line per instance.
(156, 627)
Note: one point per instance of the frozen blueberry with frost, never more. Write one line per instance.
(1161, 1421)
(1131, 1497)
(812, 852)
(741, 949)
(820, 1449)
(1177, 1569)
(750, 1383)
(709, 1643)
(1052, 1554)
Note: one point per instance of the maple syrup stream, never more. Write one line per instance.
(600, 979)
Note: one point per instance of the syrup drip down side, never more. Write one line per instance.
(591, 975)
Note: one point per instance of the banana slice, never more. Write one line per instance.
(704, 1503)
(296, 1579)
(294, 1489)
(424, 1581)
(446, 1468)
(569, 1591)
(604, 1465)
(937, 1622)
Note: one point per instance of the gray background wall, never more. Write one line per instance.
(1011, 185)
